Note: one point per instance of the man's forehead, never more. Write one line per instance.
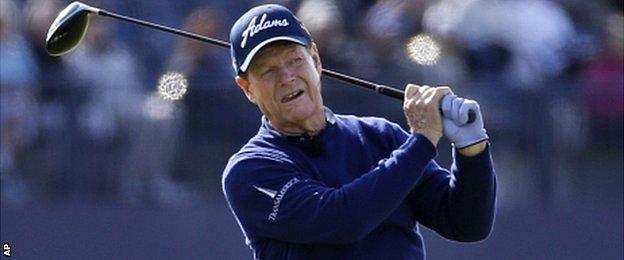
(274, 49)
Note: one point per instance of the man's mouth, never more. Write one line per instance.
(292, 96)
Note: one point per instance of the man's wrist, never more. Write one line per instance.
(432, 136)
(473, 149)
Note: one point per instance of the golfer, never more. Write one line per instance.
(312, 184)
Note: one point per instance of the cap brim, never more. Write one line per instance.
(256, 49)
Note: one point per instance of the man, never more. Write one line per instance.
(316, 185)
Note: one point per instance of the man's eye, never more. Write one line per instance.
(296, 61)
(266, 73)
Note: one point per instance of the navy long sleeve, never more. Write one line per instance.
(359, 199)
(460, 206)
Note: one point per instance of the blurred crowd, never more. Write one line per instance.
(89, 126)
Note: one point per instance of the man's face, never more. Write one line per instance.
(284, 81)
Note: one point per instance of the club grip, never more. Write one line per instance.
(471, 116)
(399, 94)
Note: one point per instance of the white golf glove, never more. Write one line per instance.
(454, 121)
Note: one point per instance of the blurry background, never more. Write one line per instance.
(93, 165)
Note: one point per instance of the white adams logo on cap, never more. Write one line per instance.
(254, 28)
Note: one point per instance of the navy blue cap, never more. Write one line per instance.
(260, 26)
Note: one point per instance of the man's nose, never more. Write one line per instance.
(286, 75)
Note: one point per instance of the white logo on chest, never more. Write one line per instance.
(254, 28)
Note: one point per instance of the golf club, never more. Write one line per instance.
(70, 26)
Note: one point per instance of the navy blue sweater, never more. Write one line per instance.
(361, 198)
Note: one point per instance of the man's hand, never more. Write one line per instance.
(422, 110)
(455, 128)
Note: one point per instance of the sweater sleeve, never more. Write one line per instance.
(272, 199)
(460, 204)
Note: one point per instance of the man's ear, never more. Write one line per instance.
(244, 85)
(316, 58)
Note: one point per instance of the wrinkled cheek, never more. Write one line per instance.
(317, 97)
(268, 108)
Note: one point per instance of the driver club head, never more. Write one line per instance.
(68, 29)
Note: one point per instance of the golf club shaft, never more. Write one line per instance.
(381, 89)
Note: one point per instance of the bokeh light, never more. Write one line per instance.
(172, 86)
(423, 50)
